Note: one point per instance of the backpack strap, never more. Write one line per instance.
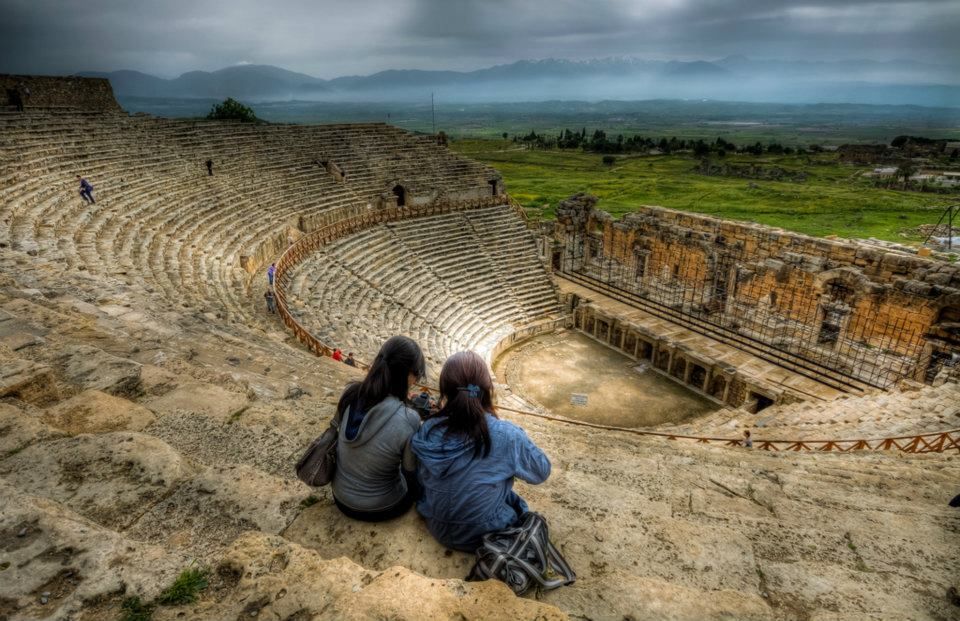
(522, 556)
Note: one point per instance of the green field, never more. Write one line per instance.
(834, 199)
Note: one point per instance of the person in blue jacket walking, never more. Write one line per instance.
(468, 458)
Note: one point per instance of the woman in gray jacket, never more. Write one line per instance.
(375, 479)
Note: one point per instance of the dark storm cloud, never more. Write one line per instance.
(335, 38)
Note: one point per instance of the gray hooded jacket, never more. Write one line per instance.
(368, 474)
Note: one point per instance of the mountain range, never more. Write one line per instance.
(734, 78)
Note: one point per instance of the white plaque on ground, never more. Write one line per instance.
(578, 399)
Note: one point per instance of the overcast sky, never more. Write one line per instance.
(333, 38)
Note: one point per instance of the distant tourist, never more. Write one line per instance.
(747, 440)
(469, 459)
(271, 301)
(350, 361)
(338, 355)
(271, 272)
(376, 476)
(86, 190)
(209, 168)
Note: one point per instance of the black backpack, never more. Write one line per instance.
(522, 557)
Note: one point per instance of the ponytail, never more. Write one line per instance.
(467, 388)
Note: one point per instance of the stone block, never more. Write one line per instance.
(93, 411)
(93, 368)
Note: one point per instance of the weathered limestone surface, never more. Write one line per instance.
(110, 478)
(93, 411)
(278, 579)
(94, 369)
(46, 548)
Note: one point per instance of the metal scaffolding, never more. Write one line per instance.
(824, 336)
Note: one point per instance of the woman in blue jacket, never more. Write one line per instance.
(468, 459)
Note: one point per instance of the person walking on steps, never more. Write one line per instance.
(337, 355)
(209, 168)
(350, 361)
(86, 190)
(271, 271)
(747, 440)
(271, 301)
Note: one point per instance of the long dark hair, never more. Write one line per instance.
(467, 390)
(398, 357)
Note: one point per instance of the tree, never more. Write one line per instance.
(905, 171)
(504, 134)
(232, 110)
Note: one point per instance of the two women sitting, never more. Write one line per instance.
(464, 457)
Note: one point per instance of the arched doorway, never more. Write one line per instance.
(401, 195)
(836, 305)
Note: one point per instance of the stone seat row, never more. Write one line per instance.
(416, 276)
(880, 414)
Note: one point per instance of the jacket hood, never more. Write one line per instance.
(441, 453)
(373, 421)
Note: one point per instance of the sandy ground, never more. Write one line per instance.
(549, 369)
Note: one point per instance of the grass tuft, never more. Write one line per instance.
(309, 501)
(185, 588)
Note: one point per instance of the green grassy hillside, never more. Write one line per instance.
(834, 198)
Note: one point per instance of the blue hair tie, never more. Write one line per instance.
(472, 390)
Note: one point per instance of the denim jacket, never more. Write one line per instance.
(465, 497)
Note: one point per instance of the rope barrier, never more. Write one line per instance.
(933, 442)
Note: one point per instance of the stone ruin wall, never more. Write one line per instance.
(60, 92)
(901, 303)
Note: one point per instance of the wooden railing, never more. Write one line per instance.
(934, 442)
(352, 222)
(532, 223)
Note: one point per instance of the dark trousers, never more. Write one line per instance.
(382, 515)
(377, 516)
(87, 195)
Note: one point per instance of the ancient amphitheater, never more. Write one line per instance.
(151, 410)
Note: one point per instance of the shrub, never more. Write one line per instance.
(609, 160)
(232, 110)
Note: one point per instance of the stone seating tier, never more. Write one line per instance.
(159, 215)
(444, 279)
(917, 409)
